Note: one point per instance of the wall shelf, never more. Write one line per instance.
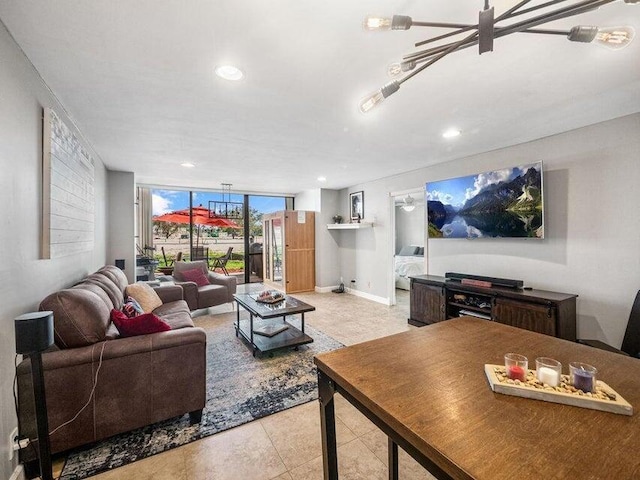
(349, 226)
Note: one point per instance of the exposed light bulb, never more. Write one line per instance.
(377, 97)
(397, 22)
(373, 23)
(398, 68)
(613, 38)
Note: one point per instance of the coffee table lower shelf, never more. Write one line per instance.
(291, 337)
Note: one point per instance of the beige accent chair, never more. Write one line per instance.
(220, 290)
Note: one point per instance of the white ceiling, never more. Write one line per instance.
(137, 77)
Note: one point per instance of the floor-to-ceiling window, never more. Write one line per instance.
(205, 225)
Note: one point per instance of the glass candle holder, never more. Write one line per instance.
(516, 366)
(548, 371)
(583, 376)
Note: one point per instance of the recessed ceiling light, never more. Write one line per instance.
(187, 165)
(322, 179)
(229, 72)
(451, 133)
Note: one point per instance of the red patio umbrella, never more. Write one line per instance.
(200, 217)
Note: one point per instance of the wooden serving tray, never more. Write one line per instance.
(615, 403)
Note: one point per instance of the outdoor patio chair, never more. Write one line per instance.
(221, 262)
(168, 268)
(200, 253)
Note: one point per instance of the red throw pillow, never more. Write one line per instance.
(140, 325)
(196, 275)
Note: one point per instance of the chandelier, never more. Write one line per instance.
(488, 28)
(225, 208)
(408, 204)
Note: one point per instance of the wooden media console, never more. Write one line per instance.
(435, 299)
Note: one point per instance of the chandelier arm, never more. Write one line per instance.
(547, 32)
(508, 13)
(439, 24)
(576, 9)
(537, 7)
(446, 52)
(446, 35)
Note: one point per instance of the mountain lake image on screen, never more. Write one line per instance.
(504, 203)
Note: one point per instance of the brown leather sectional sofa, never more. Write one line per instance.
(142, 379)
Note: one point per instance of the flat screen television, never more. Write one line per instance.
(498, 204)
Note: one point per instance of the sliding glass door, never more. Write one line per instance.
(226, 231)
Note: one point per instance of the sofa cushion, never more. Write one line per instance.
(145, 296)
(141, 325)
(80, 317)
(115, 293)
(175, 314)
(92, 287)
(116, 275)
(196, 275)
(212, 295)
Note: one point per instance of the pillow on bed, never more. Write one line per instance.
(408, 251)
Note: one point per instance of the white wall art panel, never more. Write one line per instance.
(68, 191)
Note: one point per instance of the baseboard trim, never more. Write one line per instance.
(368, 296)
(18, 474)
(325, 289)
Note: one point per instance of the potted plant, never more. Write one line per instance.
(337, 219)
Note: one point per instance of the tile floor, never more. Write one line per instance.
(286, 446)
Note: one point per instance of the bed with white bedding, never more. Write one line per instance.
(409, 262)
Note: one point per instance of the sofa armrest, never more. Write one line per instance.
(227, 281)
(170, 293)
(190, 292)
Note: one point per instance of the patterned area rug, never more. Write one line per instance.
(240, 388)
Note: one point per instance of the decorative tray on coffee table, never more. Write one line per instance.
(269, 296)
(604, 398)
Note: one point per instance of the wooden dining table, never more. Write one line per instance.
(426, 389)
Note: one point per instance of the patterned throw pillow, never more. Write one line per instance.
(131, 308)
(145, 296)
(140, 325)
(196, 275)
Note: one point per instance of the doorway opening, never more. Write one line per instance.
(407, 254)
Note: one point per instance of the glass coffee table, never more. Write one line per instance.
(263, 330)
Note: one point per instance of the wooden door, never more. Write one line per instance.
(427, 303)
(300, 253)
(530, 316)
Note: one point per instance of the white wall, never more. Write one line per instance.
(592, 228)
(121, 188)
(26, 278)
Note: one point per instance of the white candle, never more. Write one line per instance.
(548, 376)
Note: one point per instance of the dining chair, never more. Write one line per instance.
(631, 342)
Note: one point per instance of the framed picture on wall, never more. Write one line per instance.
(356, 206)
